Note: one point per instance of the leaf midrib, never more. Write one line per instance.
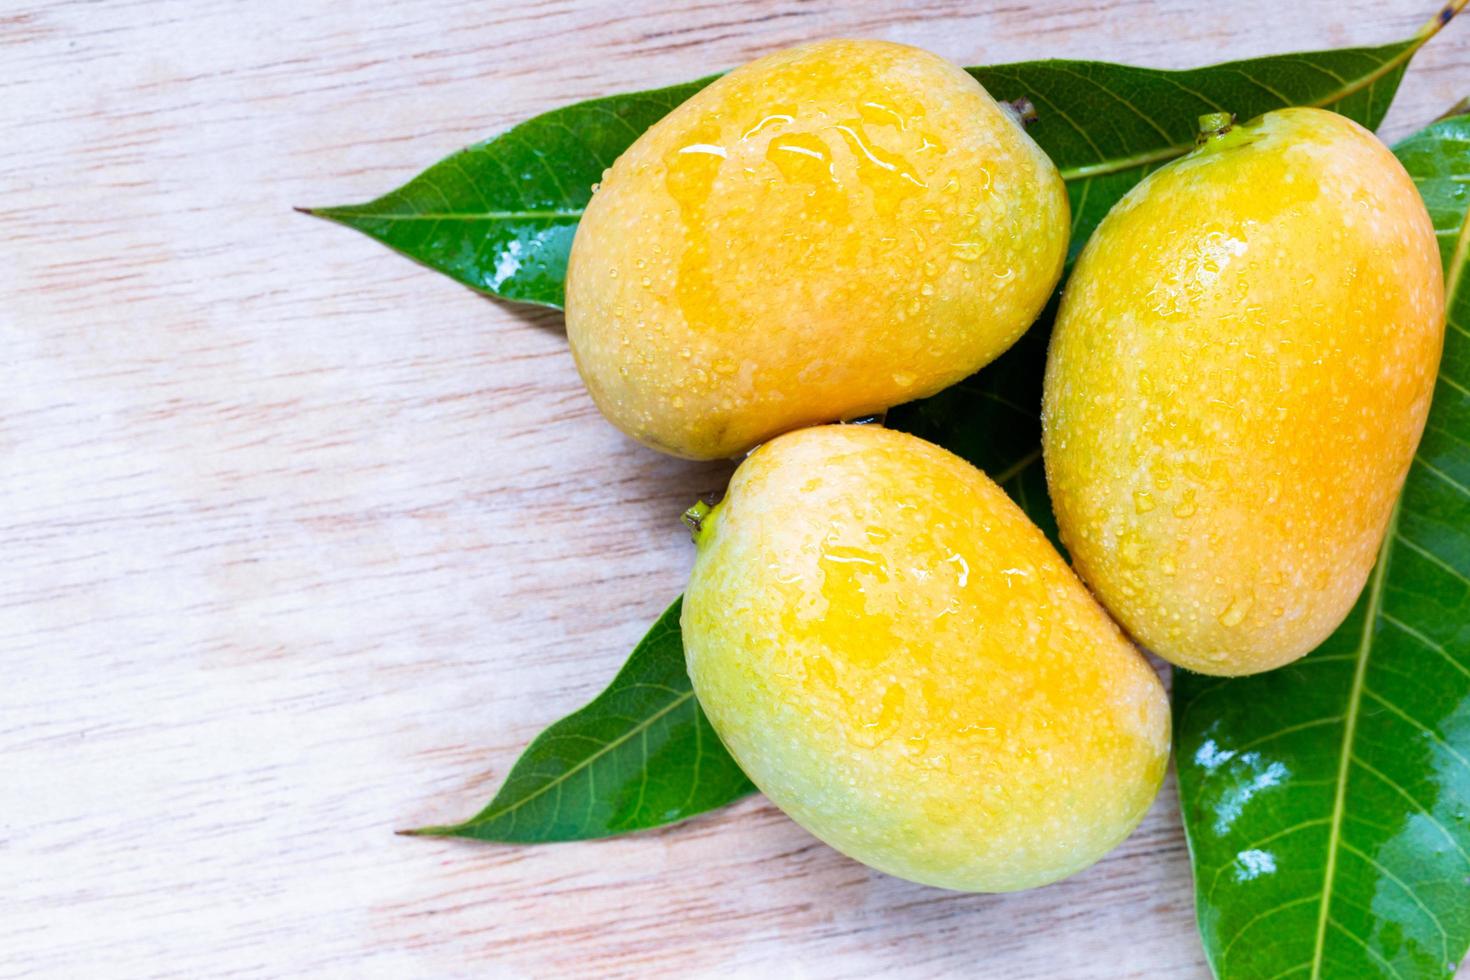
(1355, 697)
(1457, 266)
(361, 213)
(1372, 615)
(1174, 150)
(644, 725)
(1348, 90)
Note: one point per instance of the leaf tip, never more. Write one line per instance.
(1458, 109)
(334, 212)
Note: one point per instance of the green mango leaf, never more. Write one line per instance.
(1108, 126)
(1327, 803)
(639, 755)
(642, 754)
(499, 216)
(473, 219)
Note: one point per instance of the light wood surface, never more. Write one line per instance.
(303, 543)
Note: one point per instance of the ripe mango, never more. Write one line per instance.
(901, 661)
(1238, 378)
(816, 236)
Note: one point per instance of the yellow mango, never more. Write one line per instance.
(901, 661)
(1238, 378)
(821, 234)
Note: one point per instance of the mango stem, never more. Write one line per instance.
(693, 519)
(1023, 110)
(1213, 124)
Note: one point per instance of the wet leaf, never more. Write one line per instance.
(499, 216)
(1108, 126)
(1327, 803)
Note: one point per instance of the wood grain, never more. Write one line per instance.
(302, 543)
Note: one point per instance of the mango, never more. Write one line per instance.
(901, 661)
(821, 234)
(1239, 375)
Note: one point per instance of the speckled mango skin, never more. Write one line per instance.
(901, 661)
(1238, 378)
(821, 234)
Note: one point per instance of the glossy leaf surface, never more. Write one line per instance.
(499, 216)
(1107, 126)
(639, 755)
(465, 218)
(1327, 803)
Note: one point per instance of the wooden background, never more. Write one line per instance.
(302, 543)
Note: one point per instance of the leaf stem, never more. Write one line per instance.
(1124, 163)
(1438, 21)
